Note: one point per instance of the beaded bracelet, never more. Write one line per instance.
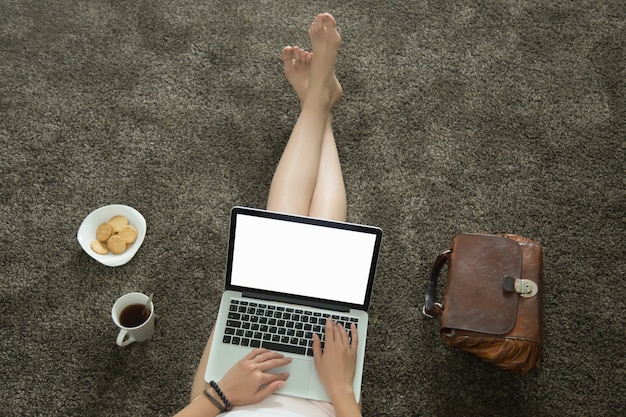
(217, 389)
(214, 401)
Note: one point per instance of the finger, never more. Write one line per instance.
(317, 349)
(355, 336)
(343, 335)
(255, 352)
(268, 355)
(329, 329)
(274, 363)
(268, 378)
(339, 334)
(268, 390)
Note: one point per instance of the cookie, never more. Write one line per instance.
(116, 244)
(104, 232)
(118, 222)
(128, 233)
(99, 247)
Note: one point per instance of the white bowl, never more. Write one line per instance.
(87, 232)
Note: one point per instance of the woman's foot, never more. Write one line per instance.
(297, 66)
(297, 69)
(325, 41)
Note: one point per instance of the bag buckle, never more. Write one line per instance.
(432, 316)
(524, 287)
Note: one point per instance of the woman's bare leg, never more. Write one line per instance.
(308, 179)
(329, 196)
(199, 384)
(329, 199)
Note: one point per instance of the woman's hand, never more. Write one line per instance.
(248, 381)
(337, 364)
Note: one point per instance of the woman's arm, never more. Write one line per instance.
(336, 367)
(240, 385)
(202, 406)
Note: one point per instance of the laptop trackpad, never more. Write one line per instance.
(299, 376)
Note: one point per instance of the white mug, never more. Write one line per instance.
(128, 335)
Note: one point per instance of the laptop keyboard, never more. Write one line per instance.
(277, 327)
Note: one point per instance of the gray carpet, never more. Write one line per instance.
(458, 116)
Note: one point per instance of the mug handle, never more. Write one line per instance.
(120, 338)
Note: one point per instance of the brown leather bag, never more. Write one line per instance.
(492, 305)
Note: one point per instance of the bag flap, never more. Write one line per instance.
(474, 297)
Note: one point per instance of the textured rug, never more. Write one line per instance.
(458, 116)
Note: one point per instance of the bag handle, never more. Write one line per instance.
(431, 308)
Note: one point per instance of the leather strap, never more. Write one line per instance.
(431, 308)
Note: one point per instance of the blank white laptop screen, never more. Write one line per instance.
(302, 259)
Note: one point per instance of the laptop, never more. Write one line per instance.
(284, 275)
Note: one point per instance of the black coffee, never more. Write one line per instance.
(134, 315)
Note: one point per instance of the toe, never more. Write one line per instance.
(302, 56)
(328, 21)
(287, 53)
(317, 25)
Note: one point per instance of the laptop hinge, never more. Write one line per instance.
(290, 300)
